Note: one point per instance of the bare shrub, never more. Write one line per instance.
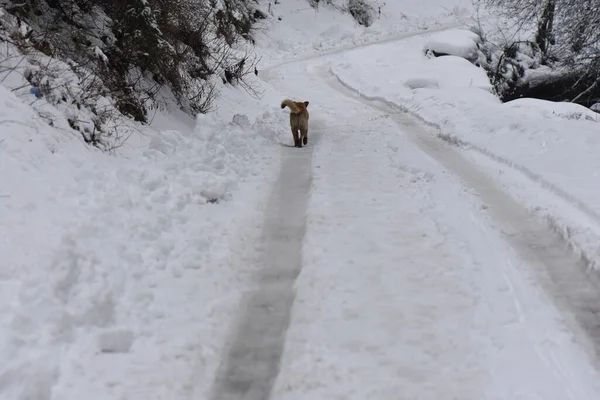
(361, 11)
(564, 37)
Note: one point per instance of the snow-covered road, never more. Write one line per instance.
(252, 362)
(420, 278)
(209, 260)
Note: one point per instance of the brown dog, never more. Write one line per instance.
(298, 120)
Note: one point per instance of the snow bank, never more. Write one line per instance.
(120, 274)
(550, 109)
(454, 42)
(553, 144)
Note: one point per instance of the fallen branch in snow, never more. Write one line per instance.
(586, 91)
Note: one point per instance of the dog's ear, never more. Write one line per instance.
(306, 103)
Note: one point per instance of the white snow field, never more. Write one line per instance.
(408, 252)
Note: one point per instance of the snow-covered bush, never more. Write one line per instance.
(550, 49)
(140, 54)
(506, 64)
(362, 11)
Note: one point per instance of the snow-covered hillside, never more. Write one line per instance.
(167, 268)
(300, 31)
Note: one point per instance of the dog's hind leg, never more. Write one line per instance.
(297, 142)
(305, 136)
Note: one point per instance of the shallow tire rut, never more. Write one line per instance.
(251, 365)
(574, 289)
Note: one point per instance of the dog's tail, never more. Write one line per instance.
(292, 106)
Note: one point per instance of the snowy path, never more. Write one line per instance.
(355, 46)
(252, 363)
(570, 284)
(410, 286)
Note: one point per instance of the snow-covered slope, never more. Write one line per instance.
(119, 273)
(299, 30)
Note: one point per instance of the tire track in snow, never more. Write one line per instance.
(572, 287)
(588, 253)
(252, 362)
(455, 141)
(251, 365)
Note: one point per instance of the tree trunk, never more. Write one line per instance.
(579, 34)
(543, 37)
